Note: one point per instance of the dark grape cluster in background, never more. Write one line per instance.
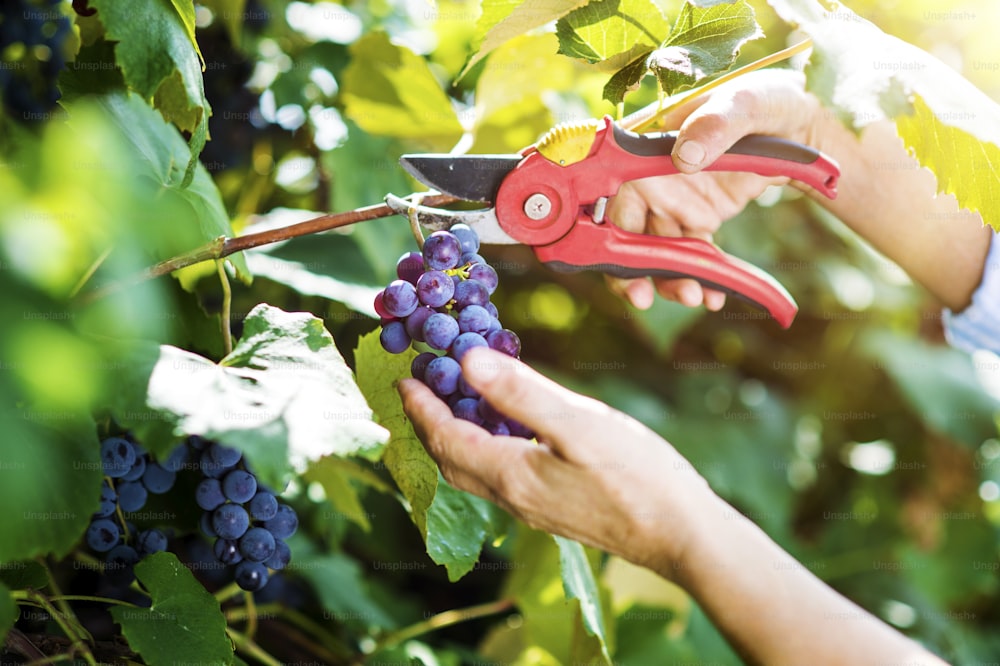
(32, 53)
(245, 519)
(440, 304)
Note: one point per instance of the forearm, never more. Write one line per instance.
(887, 199)
(771, 609)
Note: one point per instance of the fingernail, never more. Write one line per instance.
(691, 152)
(480, 366)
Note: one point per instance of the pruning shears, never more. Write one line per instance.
(553, 195)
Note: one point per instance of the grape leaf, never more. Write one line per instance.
(503, 20)
(702, 43)
(184, 624)
(334, 474)
(390, 91)
(579, 583)
(611, 30)
(156, 43)
(866, 75)
(405, 458)
(457, 526)
(627, 78)
(284, 396)
(8, 612)
(341, 588)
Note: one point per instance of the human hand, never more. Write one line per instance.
(695, 205)
(595, 475)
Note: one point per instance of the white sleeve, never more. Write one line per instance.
(978, 326)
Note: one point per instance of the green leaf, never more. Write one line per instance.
(626, 79)
(360, 298)
(284, 396)
(703, 43)
(8, 612)
(866, 75)
(458, 524)
(503, 20)
(156, 43)
(405, 458)
(604, 29)
(342, 589)
(334, 474)
(579, 583)
(41, 451)
(390, 91)
(184, 622)
(21, 575)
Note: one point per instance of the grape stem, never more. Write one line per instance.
(246, 645)
(66, 619)
(227, 303)
(444, 619)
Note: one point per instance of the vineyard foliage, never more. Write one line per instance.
(857, 439)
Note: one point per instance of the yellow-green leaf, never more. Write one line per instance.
(604, 29)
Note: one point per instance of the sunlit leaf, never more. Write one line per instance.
(603, 29)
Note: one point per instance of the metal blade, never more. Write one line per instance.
(469, 177)
(484, 221)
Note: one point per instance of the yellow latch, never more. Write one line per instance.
(569, 142)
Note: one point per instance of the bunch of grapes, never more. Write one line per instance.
(440, 304)
(246, 520)
(131, 475)
(32, 53)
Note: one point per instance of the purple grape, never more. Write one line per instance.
(157, 479)
(471, 292)
(103, 534)
(489, 413)
(208, 495)
(435, 288)
(474, 319)
(492, 309)
(464, 342)
(410, 267)
(227, 551)
(465, 389)
(394, 337)
(151, 541)
(284, 523)
(177, 459)
(119, 566)
(400, 298)
(264, 505)
(281, 556)
(498, 429)
(442, 250)
(419, 365)
(132, 496)
(239, 486)
(205, 523)
(138, 467)
(467, 237)
(380, 305)
(505, 341)
(250, 576)
(442, 375)
(209, 467)
(473, 258)
(415, 322)
(468, 410)
(230, 521)
(117, 457)
(484, 274)
(518, 429)
(226, 456)
(198, 443)
(495, 325)
(257, 544)
(109, 500)
(440, 330)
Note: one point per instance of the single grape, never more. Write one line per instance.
(151, 541)
(284, 523)
(498, 428)
(209, 494)
(505, 341)
(442, 375)
(281, 556)
(492, 309)
(205, 523)
(157, 479)
(226, 456)
(117, 457)
(419, 365)
(239, 486)
(472, 258)
(467, 237)
(138, 467)
(474, 319)
(463, 343)
(103, 534)
(468, 410)
(442, 250)
(209, 467)
(400, 298)
(198, 443)
(230, 521)
(465, 389)
(177, 459)
(415, 322)
(257, 544)
(109, 500)
(250, 576)
(263, 505)
(132, 496)
(119, 565)
(495, 325)
(394, 338)
(471, 292)
(227, 551)
(440, 330)
(435, 288)
(485, 275)
(410, 267)
(380, 305)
